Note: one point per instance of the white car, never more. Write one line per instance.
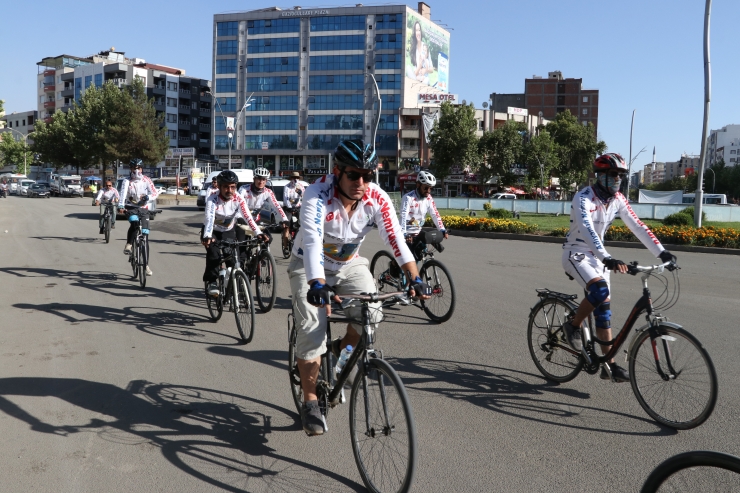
(503, 196)
(23, 186)
(174, 191)
(160, 189)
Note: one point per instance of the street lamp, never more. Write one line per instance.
(713, 178)
(247, 103)
(25, 144)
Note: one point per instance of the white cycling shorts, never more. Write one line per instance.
(584, 267)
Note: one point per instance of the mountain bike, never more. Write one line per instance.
(671, 374)
(139, 256)
(260, 267)
(381, 422)
(106, 222)
(294, 225)
(388, 276)
(233, 290)
(695, 471)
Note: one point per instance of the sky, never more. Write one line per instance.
(641, 55)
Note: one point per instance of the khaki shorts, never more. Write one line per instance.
(311, 320)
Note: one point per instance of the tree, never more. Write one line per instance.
(576, 147)
(14, 151)
(2, 112)
(501, 149)
(453, 140)
(541, 158)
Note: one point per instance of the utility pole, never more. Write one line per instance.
(629, 173)
(699, 197)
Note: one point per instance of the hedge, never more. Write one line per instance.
(486, 224)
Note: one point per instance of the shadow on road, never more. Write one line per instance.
(270, 357)
(220, 438)
(513, 393)
(101, 239)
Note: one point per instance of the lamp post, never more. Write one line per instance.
(698, 201)
(25, 145)
(713, 178)
(247, 103)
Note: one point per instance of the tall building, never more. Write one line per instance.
(22, 122)
(724, 144)
(686, 165)
(308, 73)
(556, 94)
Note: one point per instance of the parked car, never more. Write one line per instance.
(160, 189)
(38, 190)
(503, 196)
(23, 186)
(174, 191)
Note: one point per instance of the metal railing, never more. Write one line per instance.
(185, 91)
(205, 125)
(184, 107)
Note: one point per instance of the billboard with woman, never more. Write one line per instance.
(427, 59)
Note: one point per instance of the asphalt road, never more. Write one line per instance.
(107, 387)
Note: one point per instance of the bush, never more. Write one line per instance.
(679, 219)
(559, 232)
(487, 206)
(485, 224)
(499, 214)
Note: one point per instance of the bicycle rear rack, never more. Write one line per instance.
(546, 293)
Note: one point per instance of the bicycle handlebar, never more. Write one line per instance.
(635, 269)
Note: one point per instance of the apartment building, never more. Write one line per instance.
(724, 144)
(686, 165)
(556, 94)
(18, 123)
(653, 173)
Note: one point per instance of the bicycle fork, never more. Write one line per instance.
(665, 339)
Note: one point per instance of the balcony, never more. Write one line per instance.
(49, 72)
(184, 108)
(159, 90)
(47, 120)
(205, 111)
(183, 125)
(49, 87)
(185, 93)
(118, 82)
(183, 139)
(50, 104)
(158, 102)
(410, 133)
(68, 91)
(205, 126)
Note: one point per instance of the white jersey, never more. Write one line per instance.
(132, 190)
(107, 195)
(414, 213)
(590, 217)
(221, 215)
(213, 191)
(330, 239)
(257, 201)
(291, 197)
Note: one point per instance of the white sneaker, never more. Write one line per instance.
(148, 271)
(213, 290)
(127, 249)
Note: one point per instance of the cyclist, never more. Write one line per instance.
(292, 195)
(415, 206)
(222, 210)
(339, 210)
(256, 194)
(107, 195)
(586, 260)
(136, 192)
(214, 186)
(4, 188)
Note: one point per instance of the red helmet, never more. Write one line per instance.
(608, 161)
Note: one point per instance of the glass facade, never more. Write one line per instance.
(227, 66)
(335, 122)
(227, 104)
(226, 85)
(388, 61)
(336, 102)
(220, 123)
(221, 141)
(388, 81)
(328, 142)
(338, 62)
(78, 88)
(391, 101)
(338, 23)
(274, 103)
(227, 47)
(388, 41)
(267, 84)
(386, 142)
(336, 82)
(273, 141)
(271, 122)
(333, 43)
(292, 25)
(388, 21)
(98, 80)
(272, 45)
(88, 81)
(282, 64)
(227, 28)
(388, 122)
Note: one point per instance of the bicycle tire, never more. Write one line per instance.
(547, 342)
(107, 227)
(134, 259)
(243, 307)
(378, 392)
(666, 477)
(379, 268)
(295, 378)
(694, 369)
(143, 262)
(215, 305)
(436, 307)
(265, 281)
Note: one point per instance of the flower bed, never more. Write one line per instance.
(709, 236)
(486, 224)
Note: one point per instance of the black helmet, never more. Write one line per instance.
(227, 177)
(135, 163)
(355, 153)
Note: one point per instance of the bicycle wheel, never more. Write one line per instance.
(134, 259)
(107, 226)
(382, 428)
(295, 378)
(265, 281)
(380, 268)
(215, 305)
(547, 343)
(695, 471)
(243, 307)
(143, 262)
(685, 398)
(441, 305)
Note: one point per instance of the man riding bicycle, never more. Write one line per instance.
(339, 210)
(106, 196)
(222, 210)
(586, 260)
(256, 194)
(136, 192)
(292, 196)
(415, 206)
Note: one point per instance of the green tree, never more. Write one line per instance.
(576, 147)
(541, 158)
(500, 150)
(59, 144)
(14, 151)
(453, 140)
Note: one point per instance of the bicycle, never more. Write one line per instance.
(293, 226)
(139, 256)
(233, 288)
(662, 356)
(381, 422)
(107, 220)
(695, 471)
(388, 275)
(260, 267)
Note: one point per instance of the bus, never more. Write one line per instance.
(709, 198)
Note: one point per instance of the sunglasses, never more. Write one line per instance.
(108, 184)
(617, 174)
(356, 175)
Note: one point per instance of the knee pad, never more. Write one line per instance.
(598, 292)
(603, 315)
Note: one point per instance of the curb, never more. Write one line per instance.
(619, 244)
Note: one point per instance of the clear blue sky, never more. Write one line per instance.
(644, 55)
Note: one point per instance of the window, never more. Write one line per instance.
(282, 64)
(226, 47)
(387, 62)
(273, 122)
(227, 104)
(732, 151)
(30, 120)
(172, 134)
(172, 102)
(274, 103)
(172, 86)
(171, 117)
(221, 141)
(338, 23)
(220, 123)
(287, 141)
(387, 21)
(336, 82)
(98, 80)
(387, 42)
(275, 45)
(336, 102)
(338, 62)
(335, 122)
(226, 85)
(386, 142)
(227, 28)
(88, 81)
(267, 84)
(585, 111)
(389, 81)
(328, 142)
(274, 26)
(227, 66)
(585, 99)
(78, 88)
(390, 101)
(332, 43)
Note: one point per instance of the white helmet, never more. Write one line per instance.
(426, 178)
(262, 173)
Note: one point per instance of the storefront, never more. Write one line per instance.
(407, 181)
(462, 185)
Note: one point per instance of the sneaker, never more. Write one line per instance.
(313, 421)
(127, 249)
(102, 231)
(213, 289)
(148, 271)
(619, 374)
(573, 336)
(113, 226)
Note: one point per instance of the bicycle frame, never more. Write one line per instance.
(229, 285)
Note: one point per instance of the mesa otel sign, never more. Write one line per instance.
(437, 98)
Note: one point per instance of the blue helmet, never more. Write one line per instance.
(135, 163)
(355, 153)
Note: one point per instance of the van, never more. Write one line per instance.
(503, 196)
(13, 181)
(244, 175)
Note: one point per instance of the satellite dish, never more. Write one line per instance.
(485, 105)
(464, 102)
